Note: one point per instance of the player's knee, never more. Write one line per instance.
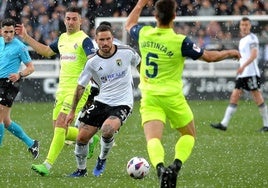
(82, 139)
(107, 130)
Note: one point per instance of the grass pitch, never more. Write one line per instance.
(235, 158)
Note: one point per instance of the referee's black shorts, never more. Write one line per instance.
(8, 91)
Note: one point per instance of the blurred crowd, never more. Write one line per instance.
(44, 19)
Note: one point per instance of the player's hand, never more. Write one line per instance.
(142, 3)
(70, 117)
(235, 54)
(14, 77)
(240, 70)
(21, 31)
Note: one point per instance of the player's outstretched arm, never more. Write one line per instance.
(133, 17)
(214, 56)
(37, 46)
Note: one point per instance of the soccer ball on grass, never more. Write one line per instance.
(138, 167)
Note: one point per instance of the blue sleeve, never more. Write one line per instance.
(25, 56)
(189, 49)
(54, 46)
(134, 32)
(88, 46)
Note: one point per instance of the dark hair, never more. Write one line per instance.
(102, 28)
(165, 10)
(245, 19)
(74, 9)
(8, 22)
(106, 23)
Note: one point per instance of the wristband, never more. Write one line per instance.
(21, 75)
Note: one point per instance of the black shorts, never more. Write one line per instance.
(250, 83)
(98, 112)
(8, 91)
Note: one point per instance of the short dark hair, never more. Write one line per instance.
(165, 10)
(74, 9)
(245, 19)
(102, 28)
(106, 23)
(8, 22)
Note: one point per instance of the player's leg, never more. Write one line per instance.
(181, 118)
(116, 117)
(230, 110)
(60, 111)
(33, 145)
(92, 144)
(94, 91)
(2, 133)
(109, 127)
(258, 99)
(56, 146)
(153, 131)
(81, 149)
(3, 114)
(8, 94)
(153, 118)
(61, 130)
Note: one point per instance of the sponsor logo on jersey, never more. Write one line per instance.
(119, 62)
(68, 57)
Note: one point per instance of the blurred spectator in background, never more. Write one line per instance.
(56, 23)
(126, 6)
(14, 9)
(107, 8)
(30, 12)
(149, 9)
(44, 26)
(223, 8)
(187, 8)
(239, 8)
(3, 4)
(206, 9)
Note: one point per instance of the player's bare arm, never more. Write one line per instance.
(27, 71)
(77, 96)
(37, 46)
(214, 56)
(135, 14)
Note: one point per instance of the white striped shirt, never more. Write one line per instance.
(112, 75)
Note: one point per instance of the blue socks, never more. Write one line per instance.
(2, 132)
(16, 130)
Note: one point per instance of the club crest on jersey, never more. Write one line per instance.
(75, 46)
(119, 62)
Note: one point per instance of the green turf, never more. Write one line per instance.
(235, 158)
